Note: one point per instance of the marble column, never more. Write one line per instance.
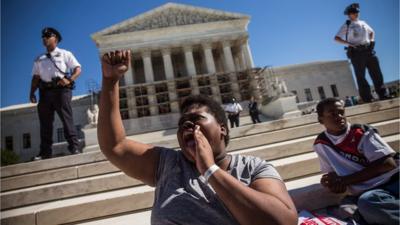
(189, 61)
(168, 68)
(130, 95)
(151, 96)
(215, 89)
(209, 58)
(148, 67)
(173, 97)
(247, 55)
(230, 65)
(129, 75)
(235, 86)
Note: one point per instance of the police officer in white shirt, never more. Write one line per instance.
(233, 110)
(51, 75)
(358, 36)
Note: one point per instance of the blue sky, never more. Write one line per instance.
(282, 32)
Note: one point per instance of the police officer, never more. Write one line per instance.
(51, 75)
(358, 36)
(233, 110)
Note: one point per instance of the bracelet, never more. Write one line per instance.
(210, 171)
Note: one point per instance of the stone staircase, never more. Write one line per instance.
(87, 189)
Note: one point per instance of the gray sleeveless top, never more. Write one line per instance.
(182, 196)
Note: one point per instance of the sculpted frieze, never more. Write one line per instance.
(172, 17)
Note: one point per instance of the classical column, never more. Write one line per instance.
(209, 57)
(235, 86)
(129, 75)
(173, 97)
(247, 55)
(130, 95)
(169, 70)
(215, 89)
(190, 67)
(230, 65)
(151, 96)
(148, 67)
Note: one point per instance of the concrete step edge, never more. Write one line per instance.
(13, 169)
(267, 152)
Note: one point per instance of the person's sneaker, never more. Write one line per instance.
(74, 152)
(386, 97)
(37, 158)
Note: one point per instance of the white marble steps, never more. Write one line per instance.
(132, 199)
(137, 218)
(82, 186)
(96, 156)
(82, 208)
(264, 136)
(276, 150)
(66, 189)
(249, 128)
(306, 193)
(268, 152)
(85, 163)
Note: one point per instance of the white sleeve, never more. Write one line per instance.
(373, 146)
(240, 107)
(342, 31)
(71, 61)
(369, 30)
(323, 162)
(35, 69)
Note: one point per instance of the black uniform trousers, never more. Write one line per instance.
(234, 119)
(253, 110)
(366, 59)
(56, 100)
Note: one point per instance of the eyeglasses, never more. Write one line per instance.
(48, 35)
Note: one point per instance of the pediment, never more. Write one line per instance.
(169, 15)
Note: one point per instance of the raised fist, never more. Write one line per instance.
(115, 64)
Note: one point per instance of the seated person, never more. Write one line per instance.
(201, 183)
(355, 158)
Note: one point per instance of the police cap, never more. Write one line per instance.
(51, 31)
(353, 8)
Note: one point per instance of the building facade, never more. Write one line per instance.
(178, 50)
(317, 80)
(20, 129)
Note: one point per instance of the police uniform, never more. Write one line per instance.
(362, 55)
(54, 98)
(234, 110)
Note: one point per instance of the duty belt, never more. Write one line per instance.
(51, 85)
(361, 47)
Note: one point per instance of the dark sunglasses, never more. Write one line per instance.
(48, 35)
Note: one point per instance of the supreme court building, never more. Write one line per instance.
(178, 50)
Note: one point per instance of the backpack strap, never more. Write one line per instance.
(364, 127)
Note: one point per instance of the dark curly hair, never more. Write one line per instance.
(324, 103)
(213, 107)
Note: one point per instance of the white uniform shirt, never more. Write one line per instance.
(234, 108)
(371, 146)
(43, 66)
(358, 33)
